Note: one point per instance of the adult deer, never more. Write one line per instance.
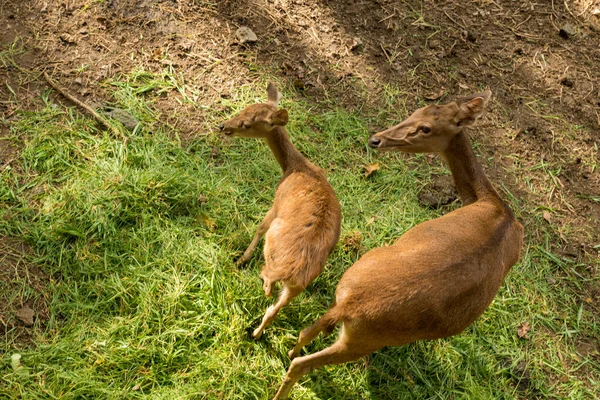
(303, 225)
(440, 275)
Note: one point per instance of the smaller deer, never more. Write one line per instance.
(303, 225)
(440, 275)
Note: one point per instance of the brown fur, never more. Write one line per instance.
(303, 225)
(441, 275)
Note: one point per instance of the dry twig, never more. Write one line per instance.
(99, 118)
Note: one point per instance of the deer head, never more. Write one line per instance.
(257, 120)
(430, 129)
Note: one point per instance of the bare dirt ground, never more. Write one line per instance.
(541, 60)
(25, 283)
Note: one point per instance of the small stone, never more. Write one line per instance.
(124, 117)
(567, 31)
(356, 43)
(434, 44)
(25, 314)
(586, 348)
(245, 35)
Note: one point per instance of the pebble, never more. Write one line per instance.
(25, 314)
(567, 31)
(245, 35)
(128, 120)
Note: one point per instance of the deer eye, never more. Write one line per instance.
(425, 129)
(246, 125)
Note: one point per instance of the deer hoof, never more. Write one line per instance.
(256, 334)
(241, 261)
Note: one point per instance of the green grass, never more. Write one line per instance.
(146, 302)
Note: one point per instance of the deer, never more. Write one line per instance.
(303, 225)
(440, 275)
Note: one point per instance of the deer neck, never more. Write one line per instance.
(469, 178)
(284, 151)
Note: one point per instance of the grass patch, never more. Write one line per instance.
(147, 303)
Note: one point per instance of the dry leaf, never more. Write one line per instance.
(370, 168)
(463, 86)
(370, 221)
(546, 216)
(434, 96)
(209, 223)
(157, 54)
(523, 329)
(67, 39)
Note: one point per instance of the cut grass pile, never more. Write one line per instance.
(146, 301)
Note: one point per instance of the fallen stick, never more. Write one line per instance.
(87, 108)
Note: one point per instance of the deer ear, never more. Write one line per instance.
(470, 108)
(279, 117)
(273, 94)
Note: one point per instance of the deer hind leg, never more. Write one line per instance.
(286, 295)
(307, 335)
(340, 352)
(260, 231)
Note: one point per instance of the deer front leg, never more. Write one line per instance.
(260, 231)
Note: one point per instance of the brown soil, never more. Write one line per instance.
(22, 285)
(540, 59)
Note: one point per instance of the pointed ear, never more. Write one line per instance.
(279, 117)
(470, 108)
(273, 94)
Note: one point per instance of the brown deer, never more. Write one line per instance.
(440, 275)
(303, 225)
